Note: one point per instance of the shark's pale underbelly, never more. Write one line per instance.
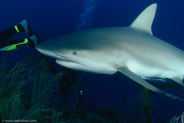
(149, 71)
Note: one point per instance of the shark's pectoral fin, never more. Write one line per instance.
(142, 82)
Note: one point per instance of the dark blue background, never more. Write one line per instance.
(50, 18)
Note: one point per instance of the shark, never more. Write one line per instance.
(133, 51)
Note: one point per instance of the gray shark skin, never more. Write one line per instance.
(132, 50)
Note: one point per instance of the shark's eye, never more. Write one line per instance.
(75, 52)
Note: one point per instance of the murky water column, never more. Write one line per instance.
(86, 17)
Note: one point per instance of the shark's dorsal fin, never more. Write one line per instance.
(145, 19)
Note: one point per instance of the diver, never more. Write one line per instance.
(7, 45)
(80, 100)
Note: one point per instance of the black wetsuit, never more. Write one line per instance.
(7, 34)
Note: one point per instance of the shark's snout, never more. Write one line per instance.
(42, 51)
(50, 53)
(46, 52)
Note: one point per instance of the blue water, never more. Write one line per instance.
(58, 17)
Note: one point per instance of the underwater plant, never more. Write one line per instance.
(147, 104)
(26, 89)
(140, 107)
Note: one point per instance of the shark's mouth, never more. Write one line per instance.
(64, 61)
(70, 64)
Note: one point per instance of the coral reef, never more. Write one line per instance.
(147, 104)
(28, 88)
(25, 90)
